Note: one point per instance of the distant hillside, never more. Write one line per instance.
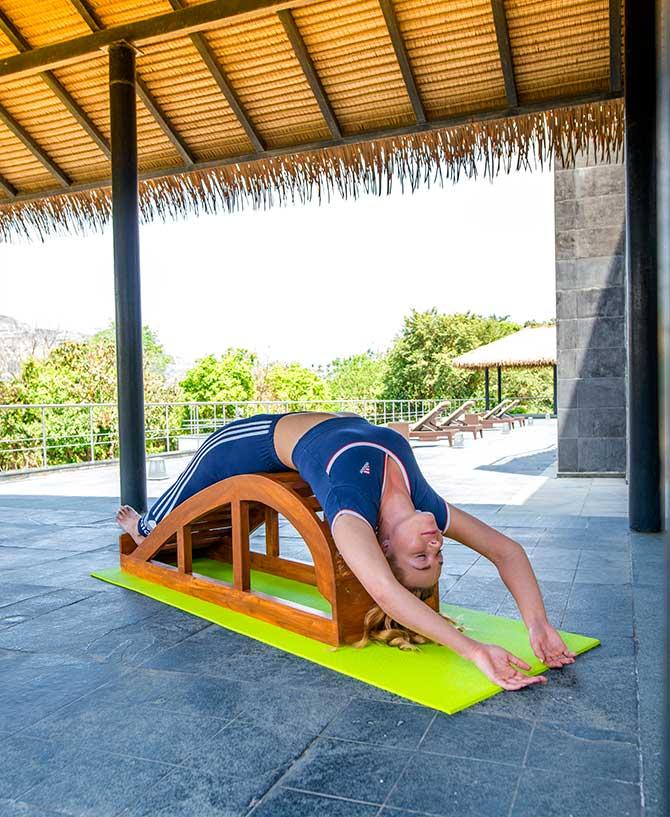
(19, 341)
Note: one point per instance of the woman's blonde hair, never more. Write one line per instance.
(379, 626)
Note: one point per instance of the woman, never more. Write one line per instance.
(386, 521)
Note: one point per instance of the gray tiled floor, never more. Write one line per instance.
(113, 704)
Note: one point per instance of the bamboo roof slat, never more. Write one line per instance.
(453, 50)
(566, 41)
(44, 22)
(259, 133)
(349, 43)
(529, 347)
(266, 75)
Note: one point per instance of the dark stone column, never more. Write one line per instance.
(590, 319)
(641, 266)
(125, 222)
(663, 216)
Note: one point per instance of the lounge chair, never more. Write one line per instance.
(433, 426)
(497, 416)
(491, 417)
(515, 418)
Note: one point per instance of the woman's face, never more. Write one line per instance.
(414, 550)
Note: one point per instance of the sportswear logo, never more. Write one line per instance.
(366, 469)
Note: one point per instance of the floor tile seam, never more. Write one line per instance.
(9, 570)
(143, 619)
(522, 767)
(406, 810)
(255, 685)
(389, 793)
(278, 782)
(558, 727)
(330, 796)
(415, 749)
(121, 674)
(169, 768)
(400, 774)
(125, 673)
(571, 590)
(636, 651)
(29, 598)
(46, 612)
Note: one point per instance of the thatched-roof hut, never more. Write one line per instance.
(529, 347)
(266, 101)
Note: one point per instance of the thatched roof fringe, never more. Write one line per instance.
(414, 161)
(528, 347)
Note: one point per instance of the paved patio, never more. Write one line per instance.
(113, 704)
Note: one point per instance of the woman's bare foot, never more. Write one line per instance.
(128, 518)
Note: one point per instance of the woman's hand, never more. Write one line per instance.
(549, 646)
(502, 667)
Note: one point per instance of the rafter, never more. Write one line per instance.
(21, 44)
(22, 134)
(209, 58)
(300, 51)
(200, 17)
(161, 118)
(8, 187)
(505, 51)
(163, 122)
(403, 59)
(615, 46)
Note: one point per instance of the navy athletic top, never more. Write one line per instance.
(344, 461)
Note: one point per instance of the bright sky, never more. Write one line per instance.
(308, 283)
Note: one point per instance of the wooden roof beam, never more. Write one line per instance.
(209, 58)
(22, 134)
(21, 44)
(302, 55)
(95, 23)
(163, 122)
(200, 17)
(403, 60)
(616, 83)
(505, 51)
(8, 187)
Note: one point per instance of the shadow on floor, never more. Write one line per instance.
(533, 463)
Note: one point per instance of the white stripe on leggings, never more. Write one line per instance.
(169, 500)
(223, 434)
(175, 500)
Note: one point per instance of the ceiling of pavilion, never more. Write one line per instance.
(250, 95)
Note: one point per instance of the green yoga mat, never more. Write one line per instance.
(434, 676)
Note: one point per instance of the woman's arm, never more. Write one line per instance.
(516, 572)
(358, 545)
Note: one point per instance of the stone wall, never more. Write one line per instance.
(591, 322)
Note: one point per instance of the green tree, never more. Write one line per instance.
(156, 359)
(356, 377)
(419, 363)
(227, 378)
(293, 382)
(73, 373)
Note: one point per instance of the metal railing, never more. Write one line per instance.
(39, 436)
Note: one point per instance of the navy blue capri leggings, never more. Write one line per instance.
(225, 453)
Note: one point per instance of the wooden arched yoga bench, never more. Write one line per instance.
(217, 523)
